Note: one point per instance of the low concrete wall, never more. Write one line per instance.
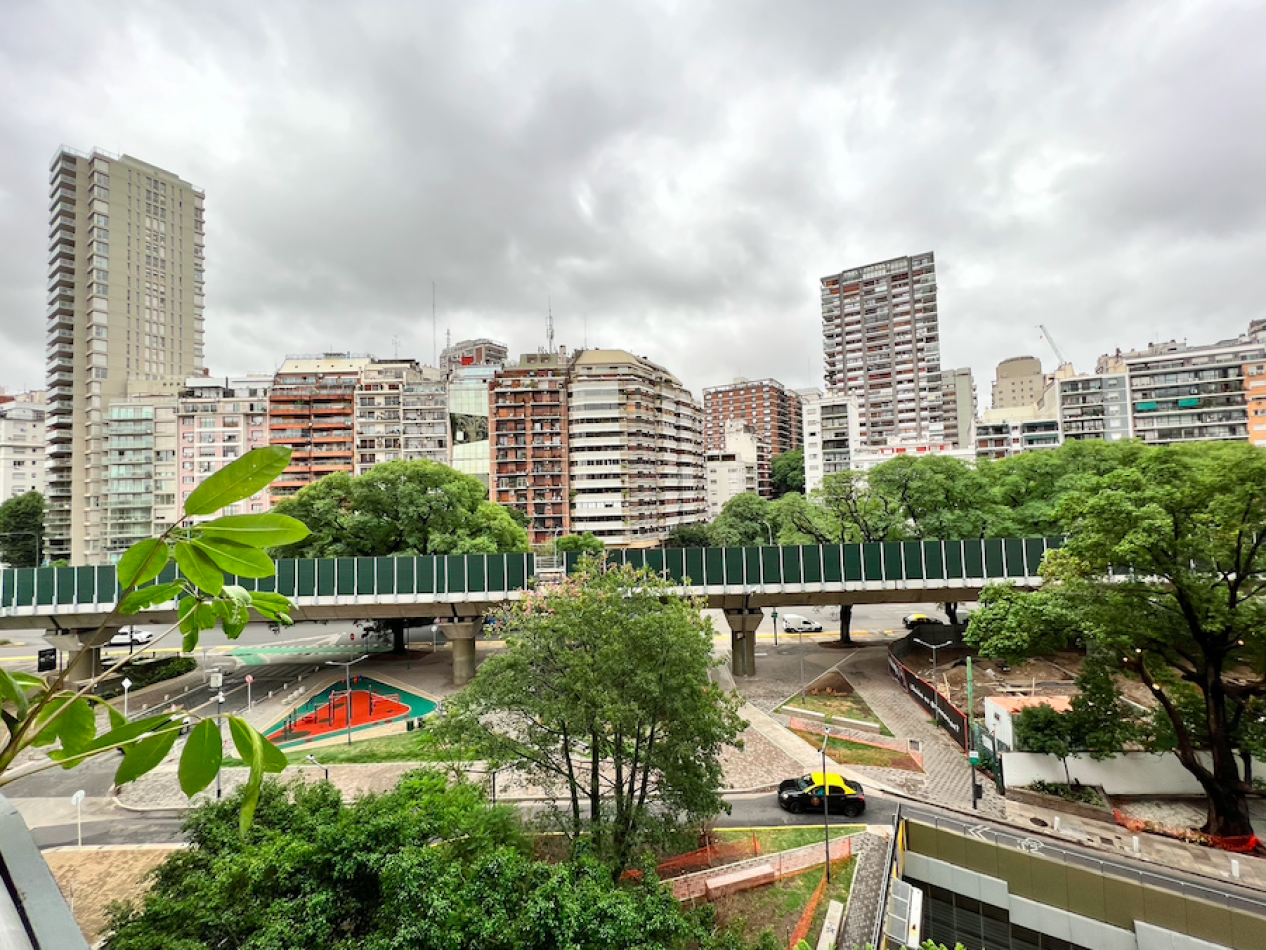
(1026, 796)
(1130, 773)
(860, 725)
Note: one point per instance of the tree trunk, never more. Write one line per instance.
(951, 611)
(397, 636)
(846, 623)
(1228, 801)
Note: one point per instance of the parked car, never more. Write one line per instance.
(817, 790)
(913, 620)
(130, 636)
(794, 623)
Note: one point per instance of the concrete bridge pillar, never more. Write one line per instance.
(461, 634)
(743, 623)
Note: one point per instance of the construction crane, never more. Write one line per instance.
(1051, 340)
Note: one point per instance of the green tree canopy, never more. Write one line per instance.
(935, 496)
(410, 508)
(604, 691)
(587, 542)
(22, 530)
(745, 520)
(787, 472)
(1164, 572)
(689, 536)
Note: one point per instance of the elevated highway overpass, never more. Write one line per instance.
(458, 590)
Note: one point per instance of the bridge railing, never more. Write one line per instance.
(971, 563)
(489, 576)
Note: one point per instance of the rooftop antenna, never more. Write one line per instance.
(395, 342)
(435, 356)
(549, 326)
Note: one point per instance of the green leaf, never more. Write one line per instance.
(144, 597)
(274, 758)
(77, 726)
(118, 735)
(201, 758)
(250, 746)
(45, 733)
(142, 562)
(234, 558)
(238, 480)
(12, 691)
(199, 568)
(145, 755)
(239, 595)
(258, 531)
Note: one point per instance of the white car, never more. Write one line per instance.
(130, 636)
(794, 623)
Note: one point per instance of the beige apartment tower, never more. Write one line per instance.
(125, 299)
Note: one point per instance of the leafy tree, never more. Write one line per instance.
(862, 512)
(408, 508)
(805, 522)
(604, 689)
(746, 520)
(1043, 730)
(37, 714)
(588, 542)
(689, 536)
(787, 472)
(1165, 571)
(935, 496)
(22, 530)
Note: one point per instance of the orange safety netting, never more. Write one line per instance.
(1239, 844)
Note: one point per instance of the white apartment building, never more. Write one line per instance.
(832, 434)
(125, 301)
(142, 453)
(22, 445)
(401, 414)
(219, 420)
(959, 400)
(869, 456)
(881, 337)
(735, 469)
(1095, 407)
(635, 450)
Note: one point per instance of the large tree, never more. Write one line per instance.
(604, 692)
(746, 520)
(1164, 572)
(410, 508)
(787, 472)
(935, 496)
(22, 530)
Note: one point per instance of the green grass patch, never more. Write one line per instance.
(770, 840)
(416, 746)
(776, 908)
(836, 708)
(856, 753)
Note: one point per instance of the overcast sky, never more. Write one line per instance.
(677, 176)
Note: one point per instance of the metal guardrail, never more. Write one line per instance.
(881, 907)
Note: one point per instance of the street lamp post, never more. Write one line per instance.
(347, 683)
(933, 647)
(219, 728)
(771, 532)
(127, 685)
(77, 800)
(826, 806)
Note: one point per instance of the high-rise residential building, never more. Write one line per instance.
(882, 343)
(401, 414)
(21, 445)
(635, 450)
(1191, 394)
(219, 420)
(959, 400)
(1095, 407)
(528, 434)
(1255, 395)
(312, 409)
(480, 352)
(468, 410)
(831, 435)
(733, 469)
(125, 302)
(142, 451)
(769, 407)
(1018, 381)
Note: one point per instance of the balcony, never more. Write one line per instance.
(63, 237)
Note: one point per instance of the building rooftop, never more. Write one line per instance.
(1013, 704)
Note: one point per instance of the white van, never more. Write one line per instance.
(794, 623)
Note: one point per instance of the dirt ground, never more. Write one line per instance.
(1042, 676)
(92, 878)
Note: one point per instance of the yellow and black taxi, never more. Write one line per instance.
(820, 791)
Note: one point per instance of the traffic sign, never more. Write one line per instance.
(249, 678)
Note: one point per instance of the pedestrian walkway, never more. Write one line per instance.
(947, 774)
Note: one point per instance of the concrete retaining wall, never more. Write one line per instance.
(1130, 773)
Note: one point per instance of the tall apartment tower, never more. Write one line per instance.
(882, 344)
(528, 432)
(124, 315)
(769, 407)
(1018, 381)
(958, 397)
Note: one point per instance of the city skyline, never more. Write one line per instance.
(667, 181)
